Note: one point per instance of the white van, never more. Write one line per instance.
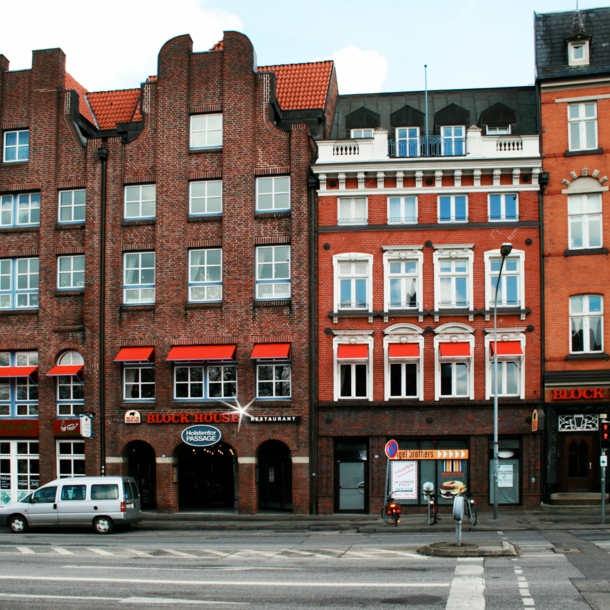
(98, 501)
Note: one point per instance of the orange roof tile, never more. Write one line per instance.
(219, 46)
(112, 107)
(301, 86)
(83, 107)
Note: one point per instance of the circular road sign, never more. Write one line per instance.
(391, 449)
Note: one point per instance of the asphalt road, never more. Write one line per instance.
(330, 570)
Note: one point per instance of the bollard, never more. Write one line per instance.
(458, 515)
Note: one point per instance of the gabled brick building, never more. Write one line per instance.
(414, 204)
(154, 265)
(573, 76)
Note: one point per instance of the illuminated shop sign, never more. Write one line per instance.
(201, 436)
(431, 454)
(192, 418)
(272, 419)
(579, 393)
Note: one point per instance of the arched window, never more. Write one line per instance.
(70, 388)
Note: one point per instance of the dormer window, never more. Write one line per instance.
(578, 53)
(497, 130)
(361, 133)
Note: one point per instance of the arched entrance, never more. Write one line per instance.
(142, 466)
(206, 477)
(274, 476)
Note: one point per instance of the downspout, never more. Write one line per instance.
(102, 154)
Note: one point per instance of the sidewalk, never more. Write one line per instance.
(546, 518)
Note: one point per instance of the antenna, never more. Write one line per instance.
(426, 103)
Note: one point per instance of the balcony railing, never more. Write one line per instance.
(428, 146)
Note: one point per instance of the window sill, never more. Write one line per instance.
(455, 311)
(69, 293)
(588, 356)
(271, 303)
(352, 314)
(203, 305)
(25, 229)
(276, 402)
(272, 214)
(68, 226)
(135, 222)
(19, 312)
(403, 313)
(575, 153)
(129, 406)
(199, 404)
(205, 218)
(69, 329)
(14, 163)
(585, 251)
(147, 307)
(209, 149)
(507, 311)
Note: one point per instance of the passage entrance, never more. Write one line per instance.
(142, 466)
(206, 477)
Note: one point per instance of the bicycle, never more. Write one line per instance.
(391, 511)
(432, 510)
(469, 508)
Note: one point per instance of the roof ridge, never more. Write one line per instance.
(113, 90)
(302, 63)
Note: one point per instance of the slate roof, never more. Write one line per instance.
(551, 32)
(520, 99)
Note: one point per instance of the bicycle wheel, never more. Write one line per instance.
(473, 513)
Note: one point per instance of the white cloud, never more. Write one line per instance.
(360, 71)
(109, 45)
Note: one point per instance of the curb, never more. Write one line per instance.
(491, 548)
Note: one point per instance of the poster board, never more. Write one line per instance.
(403, 484)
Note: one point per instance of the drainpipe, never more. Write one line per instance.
(102, 154)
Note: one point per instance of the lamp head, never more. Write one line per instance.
(505, 250)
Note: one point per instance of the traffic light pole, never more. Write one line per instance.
(604, 442)
(603, 485)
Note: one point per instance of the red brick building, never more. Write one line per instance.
(154, 266)
(573, 69)
(414, 204)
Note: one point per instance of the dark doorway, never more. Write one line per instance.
(274, 476)
(206, 477)
(351, 476)
(580, 462)
(142, 466)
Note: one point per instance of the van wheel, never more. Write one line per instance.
(18, 524)
(103, 525)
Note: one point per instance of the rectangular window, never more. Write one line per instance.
(19, 283)
(403, 380)
(70, 459)
(503, 207)
(585, 221)
(362, 133)
(578, 53)
(587, 323)
(70, 396)
(407, 142)
(454, 278)
(354, 284)
(16, 146)
(508, 378)
(18, 395)
(403, 277)
(19, 469)
(273, 194)
(452, 208)
(273, 381)
(21, 210)
(71, 272)
(272, 272)
(205, 382)
(72, 206)
(497, 130)
(206, 131)
(139, 383)
(582, 125)
(205, 198)
(205, 275)
(402, 210)
(353, 380)
(454, 141)
(353, 211)
(138, 278)
(140, 201)
(508, 288)
(454, 379)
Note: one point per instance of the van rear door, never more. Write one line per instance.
(132, 499)
(73, 506)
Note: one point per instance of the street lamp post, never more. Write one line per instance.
(505, 250)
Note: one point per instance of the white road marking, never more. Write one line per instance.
(308, 554)
(62, 551)
(129, 600)
(180, 554)
(524, 590)
(233, 583)
(138, 553)
(25, 550)
(467, 588)
(100, 551)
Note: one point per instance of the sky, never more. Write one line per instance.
(377, 45)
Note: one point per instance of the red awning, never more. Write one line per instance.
(17, 371)
(507, 348)
(192, 353)
(455, 350)
(68, 371)
(403, 350)
(353, 352)
(275, 351)
(134, 354)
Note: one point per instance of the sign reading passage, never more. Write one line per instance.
(201, 436)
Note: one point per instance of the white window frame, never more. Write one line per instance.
(73, 275)
(275, 193)
(497, 130)
(353, 257)
(20, 210)
(205, 380)
(277, 281)
(449, 139)
(412, 141)
(206, 198)
(73, 458)
(211, 133)
(495, 255)
(363, 133)
(403, 254)
(19, 407)
(453, 332)
(402, 201)
(70, 407)
(139, 383)
(18, 147)
(352, 338)
(452, 207)
(350, 218)
(585, 218)
(274, 365)
(139, 287)
(504, 334)
(401, 334)
(11, 271)
(21, 459)
(453, 252)
(211, 288)
(581, 121)
(586, 316)
(503, 217)
(143, 197)
(573, 59)
(67, 201)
